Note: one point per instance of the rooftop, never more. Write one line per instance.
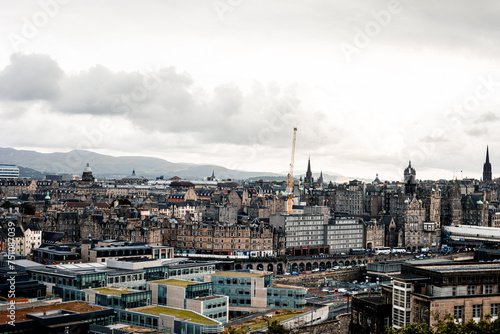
(283, 286)
(479, 267)
(79, 307)
(178, 314)
(111, 292)
(175, 282)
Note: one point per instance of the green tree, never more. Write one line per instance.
(7, 204)
(123, 201)
(276, 328)
(448, 325)
(28, 208)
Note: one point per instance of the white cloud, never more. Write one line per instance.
(178, 82)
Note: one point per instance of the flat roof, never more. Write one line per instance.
(76, 306)
(111, 292)
(176, 282)
(476, 267)
(409, 277)
(238, 274)
(182, 315)
(283, 286)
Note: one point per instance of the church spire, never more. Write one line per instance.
(487, 174)
(308, 180)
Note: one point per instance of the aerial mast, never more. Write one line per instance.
(289, 183)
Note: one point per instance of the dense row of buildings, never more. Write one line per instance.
(428, 293)
(249, 218)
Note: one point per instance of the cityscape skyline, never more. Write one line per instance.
(369, 85)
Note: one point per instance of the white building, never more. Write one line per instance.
(9, 171)
(344, 233)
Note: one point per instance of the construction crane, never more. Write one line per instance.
(289, 178)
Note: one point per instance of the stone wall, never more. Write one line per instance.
(348, 275)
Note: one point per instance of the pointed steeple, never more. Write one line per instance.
(487, 173)
(308, 180)
(213, 174)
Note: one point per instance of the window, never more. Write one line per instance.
(494, 310)
(471, 290)
(454, 291)
(459, 312)
(476, 311)
(488, 288)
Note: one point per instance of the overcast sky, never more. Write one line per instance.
(369, 84)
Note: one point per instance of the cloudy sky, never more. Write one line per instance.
(369, 84)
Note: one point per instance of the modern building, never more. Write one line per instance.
(9, 171)
(343, 234)
(255, 289)
(426, 293)
(55, 255)
(193, 296)
(169, 320)
(93, 253)
(304, 233)
(71, 317)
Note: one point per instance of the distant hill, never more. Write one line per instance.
(28, 173)
(105, 166)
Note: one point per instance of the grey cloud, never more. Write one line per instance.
(30, 77)
(487, 117)
(166, 101)
(477, 131)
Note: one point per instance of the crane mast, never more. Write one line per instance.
(289, 179)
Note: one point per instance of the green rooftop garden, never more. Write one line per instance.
(175, 282)
(111, 292)
(179, 314)
(277, 318)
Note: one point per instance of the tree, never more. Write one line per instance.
(28, 208)
(7, 204)
(123, 201)
(276, 328)
(448, 325)
(232, 330)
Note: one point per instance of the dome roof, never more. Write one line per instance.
(87, 169)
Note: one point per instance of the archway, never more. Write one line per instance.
(302, 267)
(295, 267)
(346, 263)
(315, 265)
(308, 266)
(322, 265)
(260, 267)
(238, 266)
(249, 266)
(270, 267)
(341, 263)
(328, 265)
(279, 268)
